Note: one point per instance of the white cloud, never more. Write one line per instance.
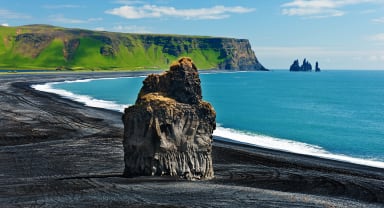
(314, 7)
(100, 28)
(5, 24)
(320, 8)
(6, 14)
(97, 19)
(377, 57)
(378, 20)
(61, 19)
(61, 6)
(131, 29)
(153, 11)
(313, 51)
(125, 29)
(368, 11)
(303, 51)
(378, 37)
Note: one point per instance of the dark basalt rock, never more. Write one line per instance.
(107, 50)
(295, 66)
(317, 68)
(169, 129)
(70, 47)
(32, 44)
(306, 66)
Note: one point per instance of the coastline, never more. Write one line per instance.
(60, 151)
(231, 135)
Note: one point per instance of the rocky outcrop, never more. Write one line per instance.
(70, 48)
(306, 66)
(317, 68)
(295, 66)
(32, 44)
(169, 129)
(238, 55)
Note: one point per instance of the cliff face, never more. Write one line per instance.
(231, 54)
(238, 55)
(169, 129)
(44, 46)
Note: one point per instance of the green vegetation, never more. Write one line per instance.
(49, 47)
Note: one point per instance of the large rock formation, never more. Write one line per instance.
(238, 55)
(317, 68)
(306, 66)
(169, 129)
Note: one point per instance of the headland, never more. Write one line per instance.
(67, 49)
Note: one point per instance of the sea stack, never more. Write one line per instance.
(169, 129)
(305, 67)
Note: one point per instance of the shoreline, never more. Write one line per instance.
(292, 146)
(61, 147)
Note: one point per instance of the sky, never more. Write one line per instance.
(339, 34)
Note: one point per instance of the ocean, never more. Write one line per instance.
(332, 114)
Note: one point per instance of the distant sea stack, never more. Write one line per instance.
(169, 129)
(317, 68)
(305, 67)
(50, 47)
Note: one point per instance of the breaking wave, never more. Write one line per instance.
(222, 133)
(286, 145)
(85, 99)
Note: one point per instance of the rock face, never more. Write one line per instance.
(306, 66)
(169, 129)
(317, 68)
(295, 66)
(239, 55)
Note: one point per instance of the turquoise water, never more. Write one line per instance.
(332, 114)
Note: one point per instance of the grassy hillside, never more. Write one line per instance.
(49, 47)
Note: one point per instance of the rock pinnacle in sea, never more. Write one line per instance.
(169, 129)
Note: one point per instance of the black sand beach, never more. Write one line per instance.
(58, 153)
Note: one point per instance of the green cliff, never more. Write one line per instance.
(49, 47)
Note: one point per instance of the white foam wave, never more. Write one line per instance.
(227, 133)
(288, 146)
(87, 100)
(89, 80)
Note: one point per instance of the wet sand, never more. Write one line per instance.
(58, 153)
